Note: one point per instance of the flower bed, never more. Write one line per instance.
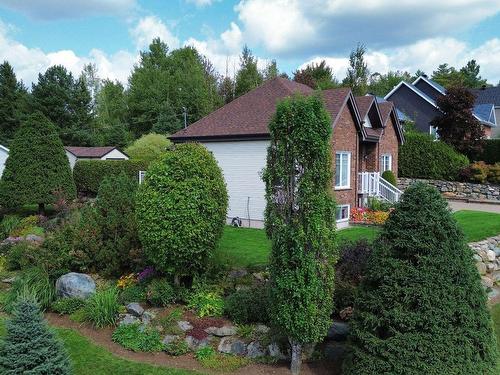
(364, 215)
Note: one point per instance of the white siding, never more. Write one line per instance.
(4, 154)
(115, 154)
(242, 164)
(72, 159)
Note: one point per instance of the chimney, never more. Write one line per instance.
(483, 87)
(425, 76)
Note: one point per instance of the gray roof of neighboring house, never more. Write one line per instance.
(488, 95)
(401, 116)
(483, 111)
(89, 152)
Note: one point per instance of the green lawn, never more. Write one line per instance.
(244, 247)
(90, 359)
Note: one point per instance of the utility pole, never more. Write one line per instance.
(184, 112)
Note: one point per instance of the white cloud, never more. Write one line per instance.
(57, 9)
(202, 3)
(151, 27)
(28, 62)
(285, 27)
(426, 55)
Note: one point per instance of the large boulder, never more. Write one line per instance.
(75, 285)
(231, 345)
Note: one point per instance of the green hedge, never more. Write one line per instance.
(490, 153)
(88, 174)
(422, 157)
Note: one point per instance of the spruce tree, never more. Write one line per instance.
(421, 308)
(300, 221)
(37, 166)
(30, 347)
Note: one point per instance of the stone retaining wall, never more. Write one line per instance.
(460, 190)
(487, 257)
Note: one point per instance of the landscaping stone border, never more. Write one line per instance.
(458, 190)
(487, 257)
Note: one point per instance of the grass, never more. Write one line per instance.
(245, 247)
(90, 359)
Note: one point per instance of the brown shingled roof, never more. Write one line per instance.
(248, 115)
(89, 152)
(364, 104)
(385, 110)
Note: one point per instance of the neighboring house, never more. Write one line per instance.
(487, 96)
(417, 101)
(85, 153)
(4, 154)
(238, 136)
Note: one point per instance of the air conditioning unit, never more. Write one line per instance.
(236, 222)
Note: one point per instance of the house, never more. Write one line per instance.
(365, 139)
(490, 96)
(4, 154)
(417, 101)
(85, 153)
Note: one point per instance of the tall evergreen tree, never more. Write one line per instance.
(300, 221)
(471, 77)
(226, 89)
(13, 102)
(93, 82)
(30, 347)
(82, 132)
(447, 76)
(421, 308)
(317, 76)
(357, 73)
(271, 70)
(248, 77)
(37, 166)
(457, 125)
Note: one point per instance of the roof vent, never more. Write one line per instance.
(425, 75)
(483, 87)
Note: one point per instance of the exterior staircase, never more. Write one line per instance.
(371, 184)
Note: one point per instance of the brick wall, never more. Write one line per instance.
(389, 144)
(345, 138)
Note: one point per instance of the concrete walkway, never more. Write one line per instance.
(485, 207)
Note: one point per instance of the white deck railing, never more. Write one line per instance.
(373, 185)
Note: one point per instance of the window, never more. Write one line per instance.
(367, 122)
(342, 212)
(433, 132)
(386, 163)
(342, 170)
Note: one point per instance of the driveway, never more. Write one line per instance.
(485, 207)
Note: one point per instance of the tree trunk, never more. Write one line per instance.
(296, 357)
(177, 280)
(41, 208)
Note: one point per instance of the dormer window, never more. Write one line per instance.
(367, 122)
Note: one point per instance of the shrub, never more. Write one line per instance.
(133, 293)
(30, 347)
(20, 256)
(34, 284)
(210, 359)
(84, 233)
(160, 293)
(103, 308)
(479, 172)
(88, 174)
(300, 221)
(115, 208)
(25, 226)
(37, 166)
(390, 177)
(422, 157)
(169, 322)
(248, 306)
(177, 347)
(490, 151)
(206, 303)
(376, 204)
(421, 307)
(149, 148)
(181, 210)
(137, 338)
(8, 224)
(67, 306)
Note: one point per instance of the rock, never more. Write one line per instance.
(75, 285)
(335, 351)
(254, 350)
(236, 274)
(169, 339)
(222, 331)
(184, 325)
(135, 309)
(33, 238)
(483, 254)
(477, 258)
(493, 293)
(148, 316)
(259, 276)
(496, 276)
(491, 255)
(481, 268)
(231, 345)
(487, 282)
(338, 331)
(127, 319)
(274, 351)
(9, 280)
(261, 329)
(194, 344)
(490, 267)
(497, 251)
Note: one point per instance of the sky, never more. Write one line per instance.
(398, 34)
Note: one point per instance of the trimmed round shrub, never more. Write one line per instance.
(181, 210)
(160, 293)
(423, 157)
(68, 305)
(421, 308)
(247, 306)
(37, 166)
(389, 177)
(30, 347)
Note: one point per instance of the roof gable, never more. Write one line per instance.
(368, 107)
(90, 152)
(433, 84)
(388, 111)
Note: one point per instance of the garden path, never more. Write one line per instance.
(472, 206)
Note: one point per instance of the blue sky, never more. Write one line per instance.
(404, 35)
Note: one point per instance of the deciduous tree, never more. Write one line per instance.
(317, 76)
(248, 77)
(357, 73)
